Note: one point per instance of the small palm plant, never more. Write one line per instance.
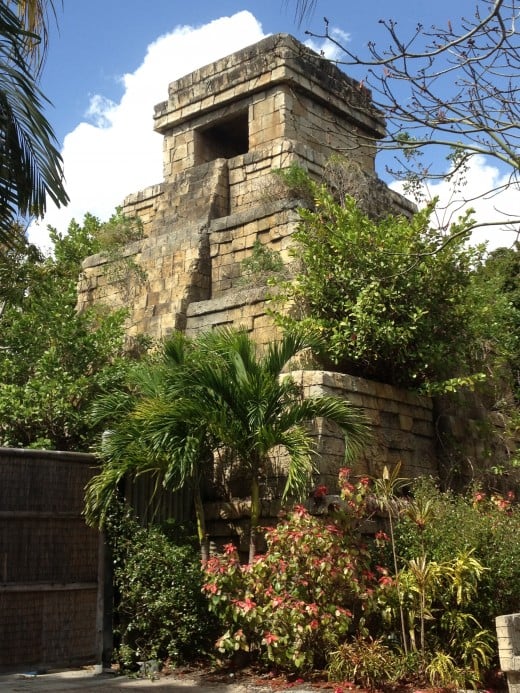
(217, 392)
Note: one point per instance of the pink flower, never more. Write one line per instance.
(269, 638)
(386, 581)
(312, 609)
(344, 473)
(340, 611)
(246, 604)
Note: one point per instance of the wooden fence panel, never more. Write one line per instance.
(48, 561)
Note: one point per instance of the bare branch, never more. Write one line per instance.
(454, 88)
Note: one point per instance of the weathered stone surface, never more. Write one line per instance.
(226, 127)
(508, 636)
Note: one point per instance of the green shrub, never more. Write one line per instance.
(391, 297)
(366, 662)
(487, 524)
(261, 267)
(161, 612)
(311, 589)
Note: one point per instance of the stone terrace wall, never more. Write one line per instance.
(401, 421)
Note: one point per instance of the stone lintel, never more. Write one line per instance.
(235, 298)
(275, 60)
(260, 211)
(353, 383)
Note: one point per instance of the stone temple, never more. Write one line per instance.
(226, 127)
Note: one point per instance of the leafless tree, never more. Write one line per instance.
(453, 87)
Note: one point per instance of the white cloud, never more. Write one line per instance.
(117, 152)
(480, 179)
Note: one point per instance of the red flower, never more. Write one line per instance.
(320, 492)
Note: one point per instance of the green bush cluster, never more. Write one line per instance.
(160, 612)
(391, 297)
(487, 524)
(54, 360)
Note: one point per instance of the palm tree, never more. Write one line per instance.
(251, 409)
(152, 434)
(227, 396)
(30, 164)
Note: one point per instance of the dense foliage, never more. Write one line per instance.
(389, 303)
(309, 591)
(325, 596)
(53, 360)
(487, 524)
(161, 612)
(496, 287)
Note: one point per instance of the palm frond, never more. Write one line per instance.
(35, 16)
(300, 448)
(350, 420)
(281, 352)
(30, 164)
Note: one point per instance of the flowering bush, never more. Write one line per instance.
(318, 599)
(313, 586)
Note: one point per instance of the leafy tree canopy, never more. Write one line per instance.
(391, 297)
(54, 361)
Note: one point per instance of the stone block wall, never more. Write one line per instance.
(401, 422)
(258, 90)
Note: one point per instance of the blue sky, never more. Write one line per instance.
(110, 62)
(97, 41)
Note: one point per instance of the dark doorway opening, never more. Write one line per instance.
(225, 139)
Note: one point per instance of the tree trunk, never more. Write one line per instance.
(201, 524)
(255, 517)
